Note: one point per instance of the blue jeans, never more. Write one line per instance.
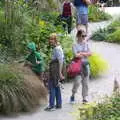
(55, 93)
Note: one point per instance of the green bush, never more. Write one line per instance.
(67, 43)
(17, 92)
(96, 15)
(114, 37)
(109, 34)
(97, 65)
(109, 109)
(100, 35)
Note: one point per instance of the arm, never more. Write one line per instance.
(73, 9)
(59, 54)
(76, 53)
(85, 54)
(82, 54)
(61, 10)
(88, 2)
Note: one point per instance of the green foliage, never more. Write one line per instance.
(100, 35)
(97, 65)
(96, 15)
(114, 37)
(67, 42)
(27, 25)
(109, 34)
(52, 4)
(17, 94)
(109, 109)
(49, 16)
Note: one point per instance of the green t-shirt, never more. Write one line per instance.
(33, 57)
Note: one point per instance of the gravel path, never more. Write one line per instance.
(97, 88)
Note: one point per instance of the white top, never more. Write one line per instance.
(58, 53)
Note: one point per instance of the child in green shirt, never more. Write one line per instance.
(35, 60)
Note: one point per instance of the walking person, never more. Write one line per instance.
(81, 50)
(82, 13)
(56, 66)
(67, 14)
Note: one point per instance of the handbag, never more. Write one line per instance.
(74, 68)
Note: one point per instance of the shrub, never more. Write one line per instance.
(97, 65)
(109, 109)
(67, 43)
(96, 15)
(100, 35)
(114, 37)
(109, 34)
(19, 93)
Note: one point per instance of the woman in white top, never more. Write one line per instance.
(81, 50)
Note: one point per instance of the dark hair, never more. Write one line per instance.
(80, 33)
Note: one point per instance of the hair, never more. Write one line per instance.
(55, 37)
(80, 33)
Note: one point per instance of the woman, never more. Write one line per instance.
(56, 74)
(81, 50)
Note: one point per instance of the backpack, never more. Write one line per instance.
(67, 9)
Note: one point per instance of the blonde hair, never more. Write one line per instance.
(54, 36)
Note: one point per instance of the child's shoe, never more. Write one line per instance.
(49, 109)
(58, 106)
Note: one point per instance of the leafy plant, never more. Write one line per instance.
(109, 34)
(109, 109)
(114, 37)
(96, 15)
(97, 65)
(100, 35)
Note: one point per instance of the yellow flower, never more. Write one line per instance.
(42, 23)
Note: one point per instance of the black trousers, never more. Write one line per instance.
(67, 22)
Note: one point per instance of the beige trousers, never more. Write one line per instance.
(84, 81)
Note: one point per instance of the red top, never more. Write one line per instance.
(67, 10)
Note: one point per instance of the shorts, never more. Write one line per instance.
(82, 19)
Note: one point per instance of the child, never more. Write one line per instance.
(81, 50)
(34, 60)
(56, 74)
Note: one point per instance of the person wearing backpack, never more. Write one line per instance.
(82, 13)
(56, 74)
(67, 14)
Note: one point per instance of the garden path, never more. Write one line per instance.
(98, 87)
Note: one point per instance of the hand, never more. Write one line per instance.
(37, 62)
(80, 54)
(61, 76)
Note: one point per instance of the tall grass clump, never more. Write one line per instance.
(17, 92)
